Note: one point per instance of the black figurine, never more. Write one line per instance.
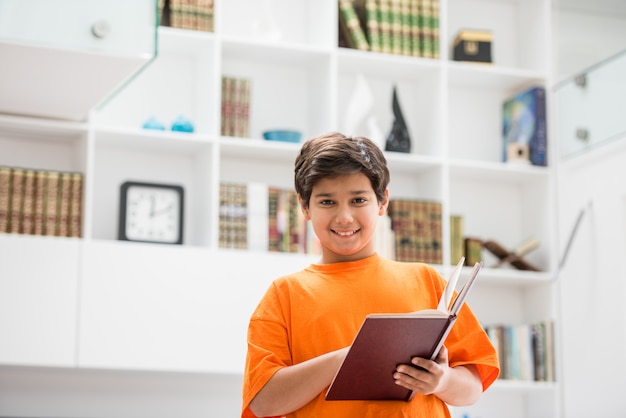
(398, 139)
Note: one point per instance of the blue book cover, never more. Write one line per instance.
(524, 127)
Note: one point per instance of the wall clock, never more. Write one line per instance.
(151, 212)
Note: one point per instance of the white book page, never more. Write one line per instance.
(446, 297)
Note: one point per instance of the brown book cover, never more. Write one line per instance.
(65, 189)
(5, 190)
(274, 238)
(17, 198)
(28, 205)
(38, 201)
(51, 202)
(76, 205)
(386, 340)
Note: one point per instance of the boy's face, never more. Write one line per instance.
(344, 212)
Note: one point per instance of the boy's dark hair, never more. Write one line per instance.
(334, 154)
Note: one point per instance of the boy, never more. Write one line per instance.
(301, 329)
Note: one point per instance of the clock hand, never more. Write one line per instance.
(163, 210)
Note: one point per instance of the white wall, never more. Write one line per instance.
(583, 37)
(593, 283)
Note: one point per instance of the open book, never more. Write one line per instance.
(386, 340)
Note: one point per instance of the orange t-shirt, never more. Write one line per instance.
(320, 309)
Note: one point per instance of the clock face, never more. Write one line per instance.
(151, 213)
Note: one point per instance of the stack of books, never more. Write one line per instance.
(187, 14)
(235, 106)
(40, 202)
(525, 351)
(417, 230)
(401, 27)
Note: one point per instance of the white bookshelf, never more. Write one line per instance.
(145, 308)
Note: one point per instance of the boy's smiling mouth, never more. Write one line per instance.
(345, 233)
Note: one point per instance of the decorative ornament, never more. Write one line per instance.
(398, 139)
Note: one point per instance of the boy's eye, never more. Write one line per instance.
(359, 200)
(326, 202)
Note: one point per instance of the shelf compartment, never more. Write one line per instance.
(184, 159)
(43, 144)
(475, 120)
(180, 81)
(506, 204)
(280, 21)
(289, 88)
(513, 45)
(418, 83)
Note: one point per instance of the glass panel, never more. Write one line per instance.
(118, 26)
(590, 107)
(82, 51)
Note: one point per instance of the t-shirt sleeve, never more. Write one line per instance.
(468, 343)
(268, 348)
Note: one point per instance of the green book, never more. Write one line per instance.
(427, 26)
(373, 28)
(405, 14)
(357, 38)
(396, 27)
(384, 13)
(435, 27)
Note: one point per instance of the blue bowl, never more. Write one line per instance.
(282, 135)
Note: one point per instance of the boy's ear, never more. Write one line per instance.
(305, 210)
(384, 204)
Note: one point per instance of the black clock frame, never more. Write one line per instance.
(121, 234)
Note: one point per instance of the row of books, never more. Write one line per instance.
(525, 351)
(235, 106)
(400, 27)
(417, 230)
(259, 217)
(40, 202)
(187, 14)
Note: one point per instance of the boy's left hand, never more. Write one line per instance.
(424, 376)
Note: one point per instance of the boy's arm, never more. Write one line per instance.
(292, 387)
(456, 386)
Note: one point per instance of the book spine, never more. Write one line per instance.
(435, 28)
(5, 190)
(17, 200)
(39, 201)
(396, 27)
(405, 14)
(373, 29)
(436, 234)
(65, 188)
(226, 115)
(236, 107)
(456, 238)
(51, 202)
(421, 233)
(282, 220)
(76, 205)
(28, 205)
(427, 35)
(538, 143)
(243, 107)
(414, 16)
(384, 13)
(346, 8)
(294, 225)
(272, 221)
